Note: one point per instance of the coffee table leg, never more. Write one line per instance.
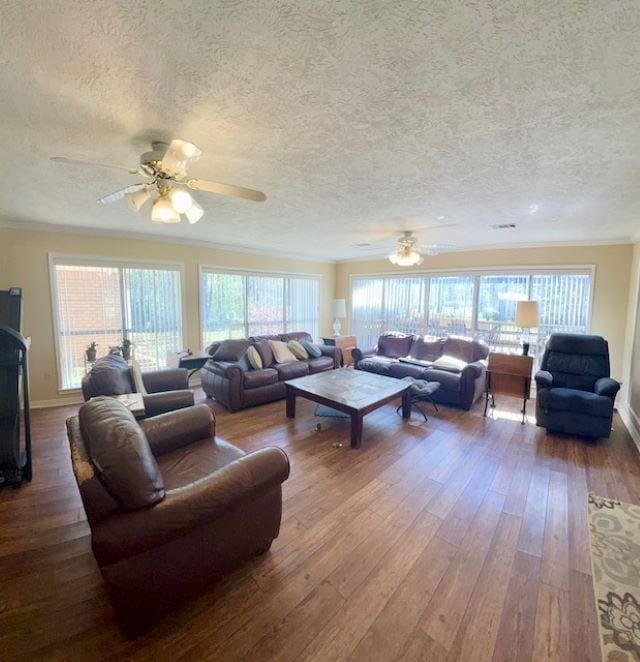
(356, 430)
(291, 402)
(406, 404)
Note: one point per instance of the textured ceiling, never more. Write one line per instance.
(356, 118)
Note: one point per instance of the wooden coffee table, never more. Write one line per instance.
(353, 392)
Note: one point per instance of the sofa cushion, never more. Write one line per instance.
(568, 399)
(377, 364)
(120, 453)
(450, 363)
(231, 350)
(292, 370)
(110, 375)
(196, 460)
(426, 348)
(263, 348)
(320, 364)
(312, 349)
(466, 349)
(281, 353)
(263, 377)
(401, 369)
(298, 350)
(254, 358)
(394, 345)
(449, 381)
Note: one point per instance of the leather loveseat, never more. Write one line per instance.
(458, 364)
(165, 390)
(575, 394)
(229, 378)
(170, 506)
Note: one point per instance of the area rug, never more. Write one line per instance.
(330, 412)
(614, 528)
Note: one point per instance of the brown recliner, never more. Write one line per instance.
(164, 390)
(170, 506)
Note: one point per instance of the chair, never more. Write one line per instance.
(575, 394)
(170, 506)
(162, 390)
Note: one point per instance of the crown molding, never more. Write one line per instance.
(512, 246)
(38, 226)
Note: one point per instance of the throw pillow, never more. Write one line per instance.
(136, 376)
(254, 358)
(262, 347)
(281, 352)
(450, 364)
(231, 350)
(312, 349)
(298, 350)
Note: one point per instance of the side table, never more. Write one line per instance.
(508, 374)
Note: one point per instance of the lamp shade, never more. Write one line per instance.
(338, 308)
(527, 314)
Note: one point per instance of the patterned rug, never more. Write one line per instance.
(614, 528)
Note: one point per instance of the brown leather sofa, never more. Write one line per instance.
(230, 380)
(166, 390)
(170, 506)
(400, 355)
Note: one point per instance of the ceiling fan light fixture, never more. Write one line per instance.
(174, 162)
(163, 211)
(181, 200)
(405, 258)
(194, 213)
(137, 199)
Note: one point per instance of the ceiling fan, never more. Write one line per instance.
(408, 251)
(165, 168)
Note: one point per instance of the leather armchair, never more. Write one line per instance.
(166, 390)
(170, 507)
(575, 394)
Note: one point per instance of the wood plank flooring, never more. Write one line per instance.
(461, 539)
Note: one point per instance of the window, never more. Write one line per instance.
(238, 305)
(104, 301)
(481, 304)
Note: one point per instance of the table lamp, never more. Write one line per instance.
(526, 318)
(337, 309)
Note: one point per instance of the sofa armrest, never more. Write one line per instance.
(185, 508)
(172, 379)
(175, 429)
(474, 370)
(334, 352)
(359, 354)
(228, 369)
(606, 386)
(160, 403)
(543, 379)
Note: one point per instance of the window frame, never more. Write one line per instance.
(75, 259)
(212, 268)
(477, 273)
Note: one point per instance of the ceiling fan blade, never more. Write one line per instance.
(226, 189)
(118, 195)
(64, 159)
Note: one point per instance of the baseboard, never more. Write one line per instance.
(631, 422)
(63, 401)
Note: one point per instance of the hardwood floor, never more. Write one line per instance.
(462, 539)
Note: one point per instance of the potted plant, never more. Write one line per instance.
(126, 348)
(91, 351)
